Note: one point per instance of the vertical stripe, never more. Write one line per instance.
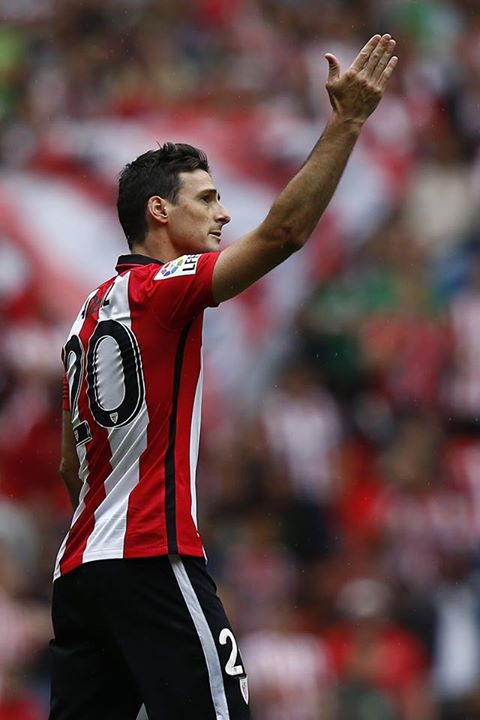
(194, 444)
(170, 478)
(126, 446)
(207, 642)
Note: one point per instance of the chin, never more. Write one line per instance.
(211, 246)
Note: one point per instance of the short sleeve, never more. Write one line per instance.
(181, 289)
(65, 394)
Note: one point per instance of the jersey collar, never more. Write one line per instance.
(125, 262)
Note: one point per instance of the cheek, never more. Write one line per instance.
(192, 217)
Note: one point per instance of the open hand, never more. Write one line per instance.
(355, 94)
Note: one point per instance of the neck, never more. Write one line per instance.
(159, 248)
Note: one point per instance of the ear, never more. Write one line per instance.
(157, 209)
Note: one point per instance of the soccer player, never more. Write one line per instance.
(136, 615)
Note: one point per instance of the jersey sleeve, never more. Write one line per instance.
(65, 394)
(181, 289)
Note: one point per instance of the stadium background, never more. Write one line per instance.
(339, 478)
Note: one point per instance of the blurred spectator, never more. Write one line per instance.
(381, 668)
(302, 425)
(421, 514)
(259, 570)
(29, 441)
(463, 388)
(456, 662)
(402, 335)
(441, 204)
(372, 323)
(290, 677)
(24, 624)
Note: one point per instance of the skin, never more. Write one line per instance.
(69, 465)
(193, 223)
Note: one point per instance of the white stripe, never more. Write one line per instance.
(209, 648)
(127, 443)
(194, 444)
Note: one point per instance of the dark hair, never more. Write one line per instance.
(156, 172)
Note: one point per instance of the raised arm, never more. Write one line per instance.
(297, 210)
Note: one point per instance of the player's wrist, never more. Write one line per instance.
(346, 122)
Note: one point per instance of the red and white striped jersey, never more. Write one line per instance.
(133, 386)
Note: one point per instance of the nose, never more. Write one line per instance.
(223, 216)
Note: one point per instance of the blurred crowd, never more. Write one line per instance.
(341, 514)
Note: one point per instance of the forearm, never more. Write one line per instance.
(353, 96)
(295, 213)
(72, 482)
(69, 465)
(297, 210)
(73, 486)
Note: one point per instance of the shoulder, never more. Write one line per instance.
(186, 265)
(177, 291)
(182, 266)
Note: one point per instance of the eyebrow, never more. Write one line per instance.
(209, 191)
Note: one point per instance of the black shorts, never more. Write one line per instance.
(151, 631)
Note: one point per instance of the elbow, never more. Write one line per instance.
(297, 242)
(63, 469)
(287, 238)
(294, 243)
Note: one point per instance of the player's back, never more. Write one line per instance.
(133, 369)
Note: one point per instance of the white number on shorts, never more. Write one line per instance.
(230, 667)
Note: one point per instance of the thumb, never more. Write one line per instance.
(333, 67)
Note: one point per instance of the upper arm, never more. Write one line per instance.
(244, 262)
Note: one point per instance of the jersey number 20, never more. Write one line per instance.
(134, 386)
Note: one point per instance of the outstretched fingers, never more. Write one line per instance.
(376, 55)
(365, 53)
(387, 73)
(383, 60)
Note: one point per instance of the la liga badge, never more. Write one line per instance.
(184, 265)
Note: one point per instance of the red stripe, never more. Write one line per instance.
(146, 524)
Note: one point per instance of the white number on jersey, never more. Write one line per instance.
(230, 668)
